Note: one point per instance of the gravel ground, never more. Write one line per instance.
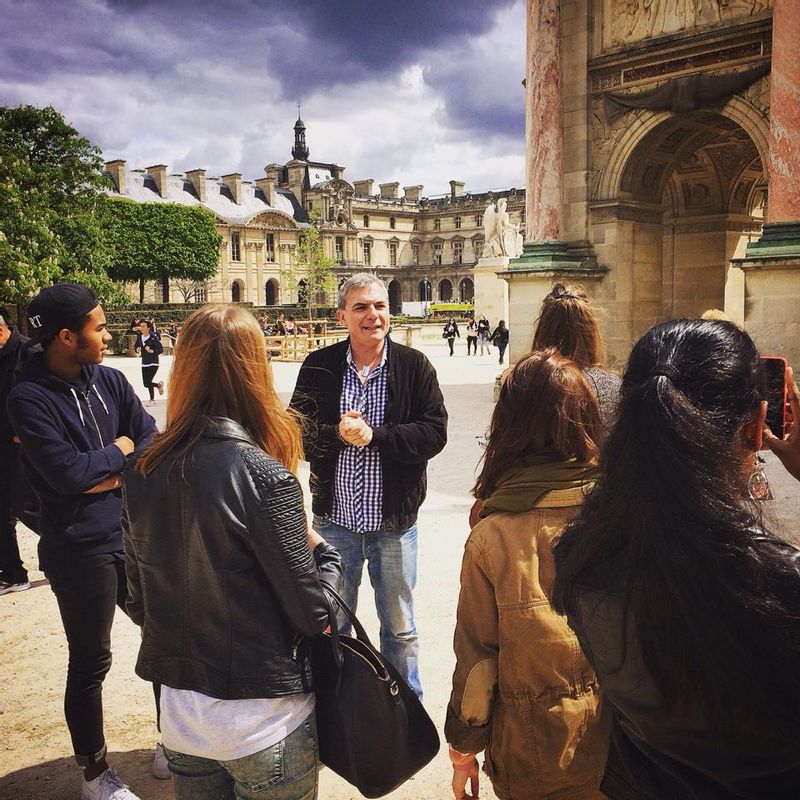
(35, 754)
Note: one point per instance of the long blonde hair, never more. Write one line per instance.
(221, 370)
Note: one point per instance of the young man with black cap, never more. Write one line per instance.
(77, 422)
(13, 575)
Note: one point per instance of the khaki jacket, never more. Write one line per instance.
(522, 689)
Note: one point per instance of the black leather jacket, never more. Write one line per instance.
(220, 576)
(659, 755)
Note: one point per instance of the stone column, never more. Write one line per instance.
(784, 115)
(544, 130)
(772, 264)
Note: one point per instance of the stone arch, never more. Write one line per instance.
(272, 292)
(445, 290)
(639, 124)
(395, 290)
(425, 291)
(237, 291)
(466, 290)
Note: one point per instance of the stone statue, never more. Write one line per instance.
(502, 237)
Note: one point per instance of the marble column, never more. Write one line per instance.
(784, 115)
(544, 130)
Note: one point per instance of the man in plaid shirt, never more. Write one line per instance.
(373, 416)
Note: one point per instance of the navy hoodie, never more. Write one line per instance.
(67, 433)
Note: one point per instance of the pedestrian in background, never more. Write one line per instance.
(483, 334)
(499, 339)
(472, 337)
(450, 332)
(148, 345)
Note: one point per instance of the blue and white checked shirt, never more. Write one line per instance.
(358, 486)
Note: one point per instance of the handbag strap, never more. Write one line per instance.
(348, 612)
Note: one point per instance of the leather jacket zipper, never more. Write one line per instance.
(94, 419)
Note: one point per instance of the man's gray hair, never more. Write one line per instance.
(357, 281)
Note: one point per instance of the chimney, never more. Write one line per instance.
(297, 174)
(116, 169)
(389, 190)
(337, 171)
(412, 193)
(233, 181)
(456, 189)
(158, 173)
(267, 185)
(364, 188)
(198, 180)
(273, 171)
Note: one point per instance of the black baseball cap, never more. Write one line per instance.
(57, 307)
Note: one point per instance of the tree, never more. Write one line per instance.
(51, 183)
(160, 241)
(313, 274)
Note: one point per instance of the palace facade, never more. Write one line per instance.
(425, 248)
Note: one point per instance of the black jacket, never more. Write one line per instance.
(67, 433)
(219, 573)
(149, 358)
(671, 755)
(414, 428)
(11, 354)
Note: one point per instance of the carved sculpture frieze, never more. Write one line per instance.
(634, 20)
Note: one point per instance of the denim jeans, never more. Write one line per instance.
(286, 771)
(392, 566)
(88, 589)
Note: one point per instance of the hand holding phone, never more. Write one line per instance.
(776, 392)
(788, 449)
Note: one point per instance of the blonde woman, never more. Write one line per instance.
(222, 574)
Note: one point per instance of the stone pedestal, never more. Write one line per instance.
(491, 292)
(527, 288)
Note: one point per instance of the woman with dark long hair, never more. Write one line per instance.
(568, 322)
(686, 606)
(522, 690)
(223, 575)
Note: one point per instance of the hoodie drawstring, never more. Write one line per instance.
(77, 403)
(101, 398)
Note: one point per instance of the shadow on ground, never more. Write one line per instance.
(60, 779)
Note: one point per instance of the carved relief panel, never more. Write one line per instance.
(633, 20)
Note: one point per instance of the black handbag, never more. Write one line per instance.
(373, 731)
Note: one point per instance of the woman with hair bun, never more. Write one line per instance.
(568, 323)
(687, 607)
(522, 690)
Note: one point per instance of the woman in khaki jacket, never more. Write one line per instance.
(522, 689)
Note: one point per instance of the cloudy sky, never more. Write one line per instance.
(418, 91)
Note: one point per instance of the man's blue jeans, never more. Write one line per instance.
(392, 566)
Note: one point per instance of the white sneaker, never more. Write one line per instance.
(160, 765)
(160, 387)
(107, 786)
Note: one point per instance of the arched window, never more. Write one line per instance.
(271, 289)
(395, 297)
(425, 293)
(445, 291)
(236, 291)
(466, 290)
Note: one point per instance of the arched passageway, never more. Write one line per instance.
(445, 291)
(466, 290)
(395, 297)
(237, 291)
(425, 293)
(272, 292)
(690, 195)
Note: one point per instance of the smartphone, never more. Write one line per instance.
(775, 393)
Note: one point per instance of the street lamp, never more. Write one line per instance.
(427, 292)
